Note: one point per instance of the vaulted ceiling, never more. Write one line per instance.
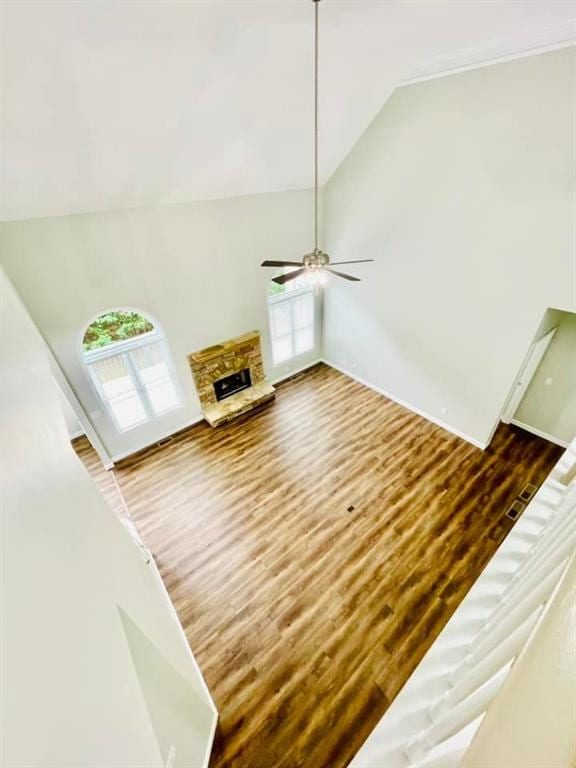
(120, 104)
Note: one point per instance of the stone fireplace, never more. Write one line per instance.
(229, 378)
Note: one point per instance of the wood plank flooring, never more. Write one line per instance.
(313, 552)
(106, 481)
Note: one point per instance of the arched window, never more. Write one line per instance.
(131, 367)
(291, 312)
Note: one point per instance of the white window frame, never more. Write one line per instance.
(123, 349)
(288, 296)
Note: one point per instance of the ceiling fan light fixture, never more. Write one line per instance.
(316, 262)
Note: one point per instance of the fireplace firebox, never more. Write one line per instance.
(229, 385)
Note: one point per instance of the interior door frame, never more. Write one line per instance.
(534, 357)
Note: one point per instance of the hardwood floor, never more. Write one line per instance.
(313, 552)
(106, 481)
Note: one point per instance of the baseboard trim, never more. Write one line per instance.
(360, 380)
(127, 454)
(539, 433)
(301, 369)
(408, 406)
(198, 419)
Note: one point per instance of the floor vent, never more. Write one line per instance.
(515, 510)
(527, 492)
(165, 441)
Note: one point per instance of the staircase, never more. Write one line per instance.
(433, 720)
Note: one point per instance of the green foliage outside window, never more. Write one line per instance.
(113, 327)
(275, 289)
(294, 285)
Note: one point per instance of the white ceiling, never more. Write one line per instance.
(121, 104)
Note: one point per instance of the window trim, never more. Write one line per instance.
(119, 347)
(123, 349)
(278, 298)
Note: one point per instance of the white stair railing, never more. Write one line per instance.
(473, 673)
(560, 524)
(435, 716)
(456, 718)
(534, 593)
(531, 721)
(450, 751)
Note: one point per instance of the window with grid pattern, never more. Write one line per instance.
(291, 322)
(132, 372)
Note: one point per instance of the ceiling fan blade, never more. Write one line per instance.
(341, 274)
(281, 279)
(358, 261)
(281, 264)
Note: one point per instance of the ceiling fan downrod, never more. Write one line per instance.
(317, 260)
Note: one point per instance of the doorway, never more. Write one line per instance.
(543, 398)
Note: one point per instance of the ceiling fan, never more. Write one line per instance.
(317, 260)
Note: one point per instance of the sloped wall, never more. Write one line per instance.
(462, 191)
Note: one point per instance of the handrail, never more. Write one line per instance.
(532, 721)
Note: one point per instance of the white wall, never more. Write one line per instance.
(195, 268)
(460, 189)
(73, 693)
(72, 424)
(549, 404)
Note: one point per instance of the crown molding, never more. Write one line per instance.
(529, 43)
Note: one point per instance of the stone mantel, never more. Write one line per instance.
(221, 360)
